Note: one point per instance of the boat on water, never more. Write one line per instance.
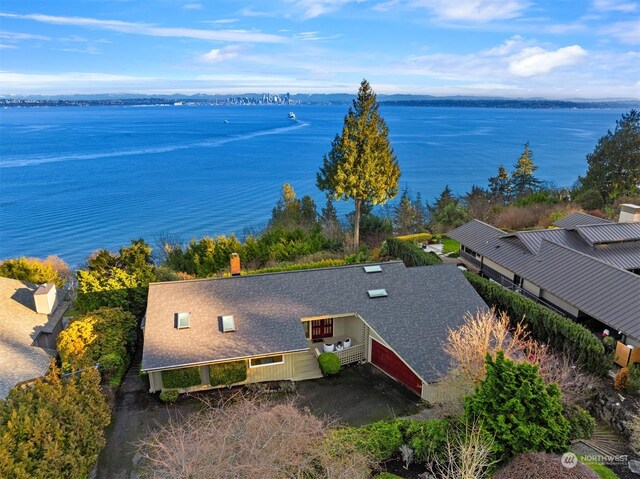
(292, 115)
(226, 121)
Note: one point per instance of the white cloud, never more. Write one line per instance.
(614, 5)
(22, 36)
(217, 55)
(537, 61)
(2, 45)
(316, 8)
(222, 21)
(192, 6)
(150, 30)
(314, 36)
(507, 47)
(475, 11)
(625, 32)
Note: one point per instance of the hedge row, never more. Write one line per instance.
(417, 237)
(545, 326)
(324, 263)
(382, 439)
(181, 378)
(410, 253)
(226, 374)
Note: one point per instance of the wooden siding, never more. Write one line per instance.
(271, 372)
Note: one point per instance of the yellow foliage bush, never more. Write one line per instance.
(417, 237)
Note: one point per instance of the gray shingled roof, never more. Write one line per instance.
(588, 278)
(19, 326)
(577, 219)
(421, 305)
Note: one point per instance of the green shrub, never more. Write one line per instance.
(514, 404)
(106, 335)
(53, 428)
(590, 199)
(181, 378)
(169, 395)
(381, 440)
(387, 475)
(226, 374)
(633, 378)
(581, 423)
(324, 263)
(416, 237)
(113, 367)
(329, 363)
(410, 253)
(427, 438)
(545, 326)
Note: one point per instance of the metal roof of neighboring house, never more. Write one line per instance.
(586, 277)
(597, 288)
(610, 233)
(414, 318)
(19, 326)
(577, 219)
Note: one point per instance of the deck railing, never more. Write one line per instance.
(349, 355)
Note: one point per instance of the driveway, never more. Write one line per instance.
(357, 395)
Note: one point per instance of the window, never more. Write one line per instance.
(228, 324)
(182, 320)
(373, 269)
(377, 293)
(268, 361)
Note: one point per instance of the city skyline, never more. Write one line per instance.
(512, 48)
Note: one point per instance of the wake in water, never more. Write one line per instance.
(23, 162)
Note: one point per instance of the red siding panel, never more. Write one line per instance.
(391, 364)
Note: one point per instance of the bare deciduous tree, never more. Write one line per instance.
(483, 333)
(249, 438)
(468, 454)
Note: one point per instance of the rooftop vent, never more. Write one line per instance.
(373, 269)
(182, 320)
(377, 293)
(227, 323)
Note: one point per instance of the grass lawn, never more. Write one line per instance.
(601, 470)
(449, 245)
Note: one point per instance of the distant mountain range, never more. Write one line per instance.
(313, 98)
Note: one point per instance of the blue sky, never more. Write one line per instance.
(512, 48)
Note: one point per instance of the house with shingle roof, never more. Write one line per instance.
(277, 324)
(587, 268)
(30, 320)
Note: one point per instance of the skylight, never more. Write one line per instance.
(373, 269)
(182, 320)
(228, 324)
(377, 293)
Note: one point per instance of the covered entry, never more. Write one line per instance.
(391, 364)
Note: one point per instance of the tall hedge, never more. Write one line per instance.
(181, 378)
(54, 428)
(410, 253)
(226, 374)
(546, 326)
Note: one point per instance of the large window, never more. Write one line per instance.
(267, 361)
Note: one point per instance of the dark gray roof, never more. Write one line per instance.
(611, 233)
(414, 318)
(559, 262)
(577, 219)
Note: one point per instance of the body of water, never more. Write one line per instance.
(75, 179)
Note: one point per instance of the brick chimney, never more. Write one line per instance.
(235, 264)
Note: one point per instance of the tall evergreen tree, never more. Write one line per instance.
(447, 212)
(406, 218)
(522, 179)
(287, 212)
(614, 165)
(361, 165)
(500, 185)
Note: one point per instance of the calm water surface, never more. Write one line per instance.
(75, 179)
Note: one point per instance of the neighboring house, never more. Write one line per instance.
(392, 316)
(30, 320)
(587, 268)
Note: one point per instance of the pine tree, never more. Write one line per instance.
(361, 165)
(405, 215)
(522, 179)
(287, 210)
(614, 165)
(500, 185)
